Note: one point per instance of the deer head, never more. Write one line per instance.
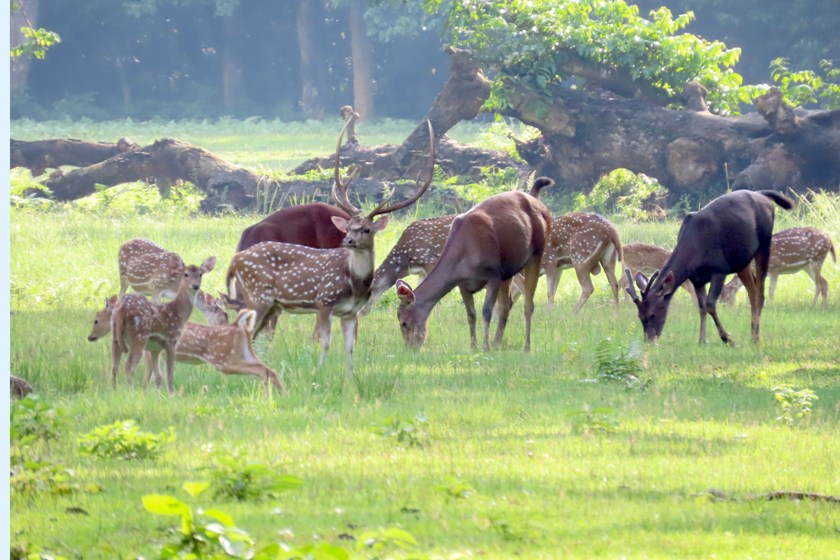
(653, 305)
(102, 320)
(412, 320)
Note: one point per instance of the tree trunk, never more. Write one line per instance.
(310, 99)
(24, 17)
(361, 49)
(40, 155)
(585, 136)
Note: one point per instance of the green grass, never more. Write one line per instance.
(497, 421)
(504, 423)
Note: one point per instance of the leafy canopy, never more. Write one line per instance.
(532, 45)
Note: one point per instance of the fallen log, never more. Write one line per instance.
(40, 155)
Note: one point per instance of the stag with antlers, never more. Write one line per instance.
(329, 282)
(721, 238)
(486, 247)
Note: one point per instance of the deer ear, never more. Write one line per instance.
(110, 302)
(247, 320)
(208, 264)
(669, 284)
(340, 223)
(641, 281)
(404, 292)
(381, 223)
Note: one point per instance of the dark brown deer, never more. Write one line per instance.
(486, 247)
(721, 238)
(794, 249)
(329, 282)
(138, 323)
(307, 224)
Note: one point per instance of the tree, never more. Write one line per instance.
(608, 88)
(26, 41)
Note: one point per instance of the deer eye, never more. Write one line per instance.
(96, 321)
(367, 230)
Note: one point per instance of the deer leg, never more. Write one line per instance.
(532, 276)
(700, 291)
(324, 324)
(711, 306)
(469, 306)
(762, 262)
(170, 369)
(608, 264)
(151, 361)
(751, 286)
(586, 287)
(552, 280)
(503, 301)
(348, 327)
(116, 356)
(774, 277)
(491, 292)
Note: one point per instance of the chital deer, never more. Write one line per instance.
(227, 348)
(138, 323)
(416, 252)
(586, 242)
(149, 269)
(329, 282)
(486, 247)
(647, 259)
(722, 237)
(795, 249)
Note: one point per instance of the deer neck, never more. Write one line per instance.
(360, 266)
(182, 305)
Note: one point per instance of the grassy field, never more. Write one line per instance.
(492, 455)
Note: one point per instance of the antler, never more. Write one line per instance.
(342, 200)
(381, 209)
(631, 288)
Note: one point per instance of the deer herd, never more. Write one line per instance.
(317, 258)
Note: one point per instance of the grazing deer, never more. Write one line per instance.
(586, 242)
(227, 348)
(795, 249)
(486, 247)
(149, 269)
(138, 323)
(416, 252)
(329, 282)
(645, 258)
(722, 237)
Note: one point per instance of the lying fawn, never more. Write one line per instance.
(138, 323)
(228, 348)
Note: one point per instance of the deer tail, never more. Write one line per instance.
(539, 184)
(831, 250)
(779, 199)
(616, 240)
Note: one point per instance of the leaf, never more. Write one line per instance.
(164, 505)
(220, 516)
(401, 538)
(195, 489)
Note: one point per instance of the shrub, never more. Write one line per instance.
(622, 192)
(235, 475)
(795, 406)
(124, 440)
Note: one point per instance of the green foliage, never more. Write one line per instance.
(456, 489)
(235, 475)
(795, 406)
(622, 192)
(36, 42)
(499, 136)
(411, 434)
(615, 363)
(33, 419)
(593, 421)
(26, 551)
(381, 541)
(123, 440)
(203, 533)
(808, 87)
(30, 477)
(494, 181)
(536, 44)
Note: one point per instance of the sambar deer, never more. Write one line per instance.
(329, 282)
(794, 249)
(486, 247)
(228, 348)
(138, 323)
(721, 238)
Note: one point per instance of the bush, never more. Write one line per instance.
(622, 192)
(124, 440)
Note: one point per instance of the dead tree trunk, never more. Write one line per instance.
(164, 163)
(40, 155)
(585, 136)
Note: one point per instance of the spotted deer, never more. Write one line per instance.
(586, 242)
(149, 269)
(329, 282)
(721, 238)
(486, 247)
(228, 348)
(646, 258)
(793, 250)
(138, 323)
